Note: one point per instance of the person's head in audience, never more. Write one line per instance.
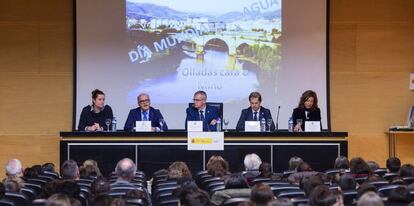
(190, 194)
(70, 170)
(281, 202)
(98, 99)
(75, 202)
(12, 185)
(347, 182)
(341, 162)
(322, 196)
(101, 200)
(308, 100)
(399, 194)
(265, 170)
(30, 172)
(217, 166)
(2, 190)
(364, 188)
(182, 167)
(50, 167)
(125, 169)
(118, 202)
(393, 164)
(236, 181)
(309, 183)
(50, 187)
(69, 188)
(255, 99)
(94, 165)
(261, 194)
(358, 166)
(100, 186)
(374, 177)
(174, 175)
(14, 168)
(58, 200)
(252, 162)
(200, 99)
(294, 162)
(406, 170)
(137, 194)
(304, 167)
(88, 171)
(373, 165)
(370, 199)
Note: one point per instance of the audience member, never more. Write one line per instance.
(370, 199)
(302, 171)
(342, 163)
(70, 170)
(294, 162)
(14, 168)
(182, 168)
(94, 165)
(58, 200)
(252, 163)
(261, 194)
(373, 165)
(364, 188)
(347, 182)
(265, 170)
(322, 196)
(407, 170)
(217, 166)
(281, 202)
(359, 168)
(393, 164)
(236, 186)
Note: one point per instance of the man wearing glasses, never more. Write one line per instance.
(202, 112)
(145, 113)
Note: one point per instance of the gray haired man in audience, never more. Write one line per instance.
(125, 172)
(70, 170)
(14, 168)
(252, 163)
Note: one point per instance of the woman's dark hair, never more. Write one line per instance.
(265, 170)
(341, 162)
(399, 194)
(305, 96)
(347, 182)
(407, 170)
(217, 166)
(100, 186)
(30, 172)
(48, 167)
(95, 94)
(236, 181)
(322, 196)
(137, 194)
(393, 164)
(304, 167)
(261, 194)
(359, 166)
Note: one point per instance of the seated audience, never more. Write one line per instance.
(95, 166)
(58, 200)
(370, 199)
(99, 187)
(359, 168)
(407, 170)
(265, 170)
(373, 165)
(294, 162)
(12, 185)
(217, 166)
(236, 186)
(347, 182)
(89, 171)
(398, 196)
(364, 188)
(137, 194)
(342, 163)
(125, 171)
(181, 167)
(393, 164)
(252, 163)
(303, 170)
(70, 170)
(261, 195)
(322, 196)
(309, 183)
(14, 168)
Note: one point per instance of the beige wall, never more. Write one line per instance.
(372, 54)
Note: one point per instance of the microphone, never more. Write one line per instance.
(277, 118)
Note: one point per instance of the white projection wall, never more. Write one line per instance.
(171, 49)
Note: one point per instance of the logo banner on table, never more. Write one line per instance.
(205, 141)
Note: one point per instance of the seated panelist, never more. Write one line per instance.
(255, 112)
(202, 112)
(307, 110)
(93, 116)
(145, 113)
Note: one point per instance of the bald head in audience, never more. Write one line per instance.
(125, 169)
(14, 168)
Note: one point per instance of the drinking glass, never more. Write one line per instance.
(226, 123)
(299, 122)
(161, 125)
(269, 123)
(108, 122)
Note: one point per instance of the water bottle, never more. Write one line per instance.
(290, 124)
(218, 124)
(114, 124)
(263, 125)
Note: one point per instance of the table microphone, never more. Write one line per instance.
(277, 118)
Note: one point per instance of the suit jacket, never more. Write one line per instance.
(247, 115)
(299, 113)
(135, 115)
(210, 114)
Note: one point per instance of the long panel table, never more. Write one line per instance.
(156, 150)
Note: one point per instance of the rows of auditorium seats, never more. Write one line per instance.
(348, 184)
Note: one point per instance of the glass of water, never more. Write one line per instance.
(269, 123)
(108, 122)
(226, 123)
(161, 125)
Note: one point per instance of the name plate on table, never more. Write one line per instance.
(252, 126)
(312, 126)
(205, 141)
(195, 126)
(143, 126)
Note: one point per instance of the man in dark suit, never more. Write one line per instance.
(145, 113)
(202, 112)
(255, 112)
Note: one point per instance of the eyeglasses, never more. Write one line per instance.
(198, 100)
(144, 101)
